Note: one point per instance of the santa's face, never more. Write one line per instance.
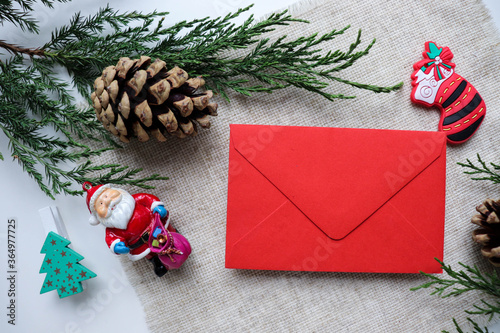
(114, 208)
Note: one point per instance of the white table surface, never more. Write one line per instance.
(109, 303)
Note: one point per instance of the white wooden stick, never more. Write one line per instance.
(52, 221)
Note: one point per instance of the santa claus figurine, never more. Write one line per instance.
(137, 225)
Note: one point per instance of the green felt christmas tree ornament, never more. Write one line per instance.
(61, 264)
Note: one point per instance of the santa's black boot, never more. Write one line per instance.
(158, 266)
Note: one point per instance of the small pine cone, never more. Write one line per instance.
(488, 233)
(140, 98)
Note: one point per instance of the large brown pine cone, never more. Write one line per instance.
(488, 235)
(139, 98)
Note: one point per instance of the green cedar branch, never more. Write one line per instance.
(490, 172)
(459, 282)
(475, 326)
(31, 101)
(18, 12)
(85, 46)
(32, 98)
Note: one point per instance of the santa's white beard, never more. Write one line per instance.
(119, 212)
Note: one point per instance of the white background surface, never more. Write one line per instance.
(109, 303)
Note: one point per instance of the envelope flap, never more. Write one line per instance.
(337, 177)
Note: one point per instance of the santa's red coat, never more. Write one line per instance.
(139, 223)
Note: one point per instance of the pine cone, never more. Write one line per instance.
(137, 97)
(488, 235)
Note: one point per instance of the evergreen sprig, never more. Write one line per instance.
(85, 47)
(33, 99)
(27, 110)
(475, 326)
(18, 12)
(490, 171)
(459, 282)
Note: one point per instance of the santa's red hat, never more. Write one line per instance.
(93, 192)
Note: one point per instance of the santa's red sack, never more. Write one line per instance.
(171, 247)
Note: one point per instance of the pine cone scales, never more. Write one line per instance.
(142, 98)
(488, 235)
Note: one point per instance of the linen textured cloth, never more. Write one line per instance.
(204, 296)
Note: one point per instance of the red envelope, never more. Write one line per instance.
(335, 199)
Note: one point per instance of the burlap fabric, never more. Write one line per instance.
(204, 296)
